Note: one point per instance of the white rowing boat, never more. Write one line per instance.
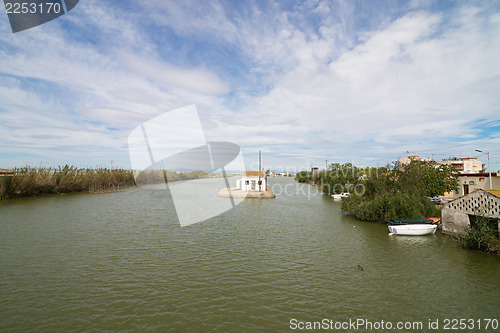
(413, 229)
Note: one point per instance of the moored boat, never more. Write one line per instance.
(340, 196)
(430, 220)
(413, 229)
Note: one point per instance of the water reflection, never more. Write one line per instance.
(413, 240)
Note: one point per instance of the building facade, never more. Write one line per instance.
(252, 181)
(470, 182)
(465, 165)
(461, 165)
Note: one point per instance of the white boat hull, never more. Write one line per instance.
(413, 229)
(340, 196)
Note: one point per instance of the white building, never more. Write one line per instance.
(252, 181)
(466, 165)
(462, 165)
(407, 160)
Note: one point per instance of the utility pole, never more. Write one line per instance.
(489, 169)
(260, 169)
(489, 165)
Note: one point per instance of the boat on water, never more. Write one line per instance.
(429, 220)
(413, 229)
(340, 196)
(435, 220)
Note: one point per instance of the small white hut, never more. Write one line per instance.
(253, 184)
(252, 181)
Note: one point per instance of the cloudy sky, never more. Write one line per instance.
(303, 81)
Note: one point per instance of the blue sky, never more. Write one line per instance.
(303, 81)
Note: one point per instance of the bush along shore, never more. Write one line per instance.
(391, 192)
(400, 192)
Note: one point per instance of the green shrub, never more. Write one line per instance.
(482, 236)
(401, 192)
(387, 206)
(303, 177)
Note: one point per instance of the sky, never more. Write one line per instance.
(305, 82)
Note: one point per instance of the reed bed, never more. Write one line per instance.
(162, 176)
(29, 181)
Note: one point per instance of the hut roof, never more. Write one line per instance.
(495, 192)
(253, 174)
(6, 172)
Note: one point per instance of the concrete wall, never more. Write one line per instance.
(455, 214)
(241, 183)
(454, 221)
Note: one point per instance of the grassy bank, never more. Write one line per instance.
(30, 181)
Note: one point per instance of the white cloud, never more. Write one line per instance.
(308, 77)
(62, 91)
(191, 18)
(409, 81)
(195, 80)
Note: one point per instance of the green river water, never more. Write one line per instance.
(121, 262)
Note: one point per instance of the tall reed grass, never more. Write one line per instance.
(29, 181)
(163, 176)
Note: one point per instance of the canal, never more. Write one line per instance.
(121, 262)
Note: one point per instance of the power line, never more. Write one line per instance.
(461, 145)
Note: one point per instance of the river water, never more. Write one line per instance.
(121, 262)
